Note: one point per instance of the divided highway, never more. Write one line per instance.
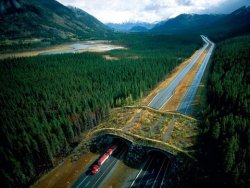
(153, 172)
(185, 106)
(88, 180)
(164, 95)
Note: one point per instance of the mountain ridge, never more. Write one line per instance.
(46, 20)
(186, 22)
(218, 27)
(127, 26)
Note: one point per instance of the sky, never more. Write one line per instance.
(151, 11)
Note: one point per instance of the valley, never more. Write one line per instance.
(173, 132)
(81, 46)
(142, 98)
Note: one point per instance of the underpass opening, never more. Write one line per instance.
(154, 170)
(154, 162)
(102, 143)
(152, 150)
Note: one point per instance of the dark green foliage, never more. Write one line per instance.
(47, 101)
(226, 125)
(31, 23)
(235, 24)
(217, 27)
(187, 23)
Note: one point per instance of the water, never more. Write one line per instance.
(85, 46)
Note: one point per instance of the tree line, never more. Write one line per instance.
(48, 101)
(224, 144)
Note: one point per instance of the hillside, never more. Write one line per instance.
(56, 98)
(224, 141)
(186, 23)
(138, 29)
(217, 27)
(46, 20)
(234, 24)
(125, 27)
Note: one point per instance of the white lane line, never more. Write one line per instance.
(87, 184)
(81, 182)
(113, 162)
(187, 100)
(140, 172)
(159, 172)
(200, 70)
(153, 99)
(164, 174)
(179, 77)
(153, 170)
(166, 102)
(145, 172)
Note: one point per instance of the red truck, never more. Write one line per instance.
(111, 149)
(96, 167)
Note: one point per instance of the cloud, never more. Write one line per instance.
(184, 2)
(118, 11)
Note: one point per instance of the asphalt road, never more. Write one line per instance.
(91, 181)
(165, 95)
(153, 172)
(155, 169)
(185, 106)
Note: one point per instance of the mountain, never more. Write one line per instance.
(126, 27)
(138, 29)
(217, 27)
(46, 20)
(186, 23)
(236, 23)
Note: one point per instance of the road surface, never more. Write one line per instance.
(164, 95)
(86, 180)
(153, 172)
(185, 106)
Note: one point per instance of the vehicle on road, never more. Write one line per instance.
(111, 149)
(96, 167)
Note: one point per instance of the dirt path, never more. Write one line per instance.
(134, 121)
(155, 127)
(170, 129)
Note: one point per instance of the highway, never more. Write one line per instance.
(185, 106)
(153, 173)
(165, 95)
(88, 180)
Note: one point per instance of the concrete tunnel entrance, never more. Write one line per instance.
(132, 149)
(152, 165)
(100, 143)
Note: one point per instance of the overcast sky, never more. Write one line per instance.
(119, 11)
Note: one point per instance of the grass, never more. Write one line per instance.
(181, 139)
(184, 127)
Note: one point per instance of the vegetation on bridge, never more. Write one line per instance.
(47, 101)
(152, 128)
